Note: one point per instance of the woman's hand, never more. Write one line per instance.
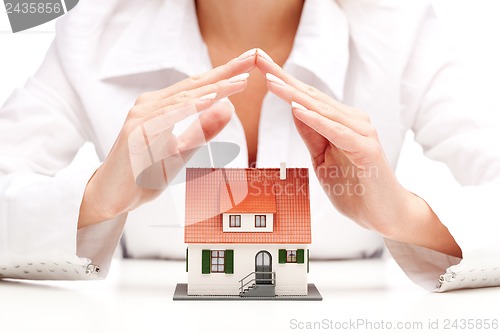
(352, 168)
(147, 155)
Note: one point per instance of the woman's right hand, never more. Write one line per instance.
(147, 134)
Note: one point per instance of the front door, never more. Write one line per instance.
(263, 268)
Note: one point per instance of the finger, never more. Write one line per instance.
(315, 142)
(266, 65)
(164, 119)
(291, 94)
(339, 135)
(157, 159)
(208, 125)
(243, 64)
(178, 112)
(159, 129)
(217, 91)
(146, 153)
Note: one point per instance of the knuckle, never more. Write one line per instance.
(325, 109)
(339, 130)
(135, 112)
(312, 91)
(295, 95)
(195, 78)
(181, 97)
(215, 87)
(142, 98)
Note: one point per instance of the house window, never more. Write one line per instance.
(217, 259)
(260, 221)
(291, 256)
(234, 221)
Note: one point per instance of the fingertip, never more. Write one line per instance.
(201, 103)
(274, 79)
(246, 61)
(208, 97)
(299, 107)
(282, 91)
(301, 112)
(248, 54)
(265, 63)
(264, 56)
(274, 88)
(239, 78)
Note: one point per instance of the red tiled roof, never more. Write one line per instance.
(209, 192)
(242, 197)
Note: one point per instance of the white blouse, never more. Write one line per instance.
(384, 57)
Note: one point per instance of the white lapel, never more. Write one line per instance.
(163, 38)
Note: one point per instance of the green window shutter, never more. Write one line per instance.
(229, 260)
(187, 256)
(307, 260)
(282, 256)
(205, 261)
(300, 256)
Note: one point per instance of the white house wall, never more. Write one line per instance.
(247, 223)
(291, 278)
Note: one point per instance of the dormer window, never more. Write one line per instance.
(247, 205)
(235, 221)
(247, 222)
(260, 221)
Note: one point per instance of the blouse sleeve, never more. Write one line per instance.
(442, 107)
(42, 127)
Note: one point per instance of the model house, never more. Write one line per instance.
(247, 231)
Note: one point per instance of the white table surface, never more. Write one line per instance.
(137, 297)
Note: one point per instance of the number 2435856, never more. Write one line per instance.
(33, 7)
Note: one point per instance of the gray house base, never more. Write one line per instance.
(180, 294)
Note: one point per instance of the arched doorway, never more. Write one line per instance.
(263, 268)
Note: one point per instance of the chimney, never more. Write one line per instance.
(282, 171)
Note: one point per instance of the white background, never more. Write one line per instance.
(472, 25)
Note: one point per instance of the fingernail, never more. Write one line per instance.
(274, 79)
(298, 106)
(264, 55)
(238, 78)
(207, 97)
(247, 54)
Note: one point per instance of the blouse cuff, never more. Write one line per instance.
(423, 266)
(98, 242)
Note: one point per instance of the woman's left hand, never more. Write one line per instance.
(351, 166)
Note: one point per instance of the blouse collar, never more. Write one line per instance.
(321, 44)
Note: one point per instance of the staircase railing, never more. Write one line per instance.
(244, 283)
